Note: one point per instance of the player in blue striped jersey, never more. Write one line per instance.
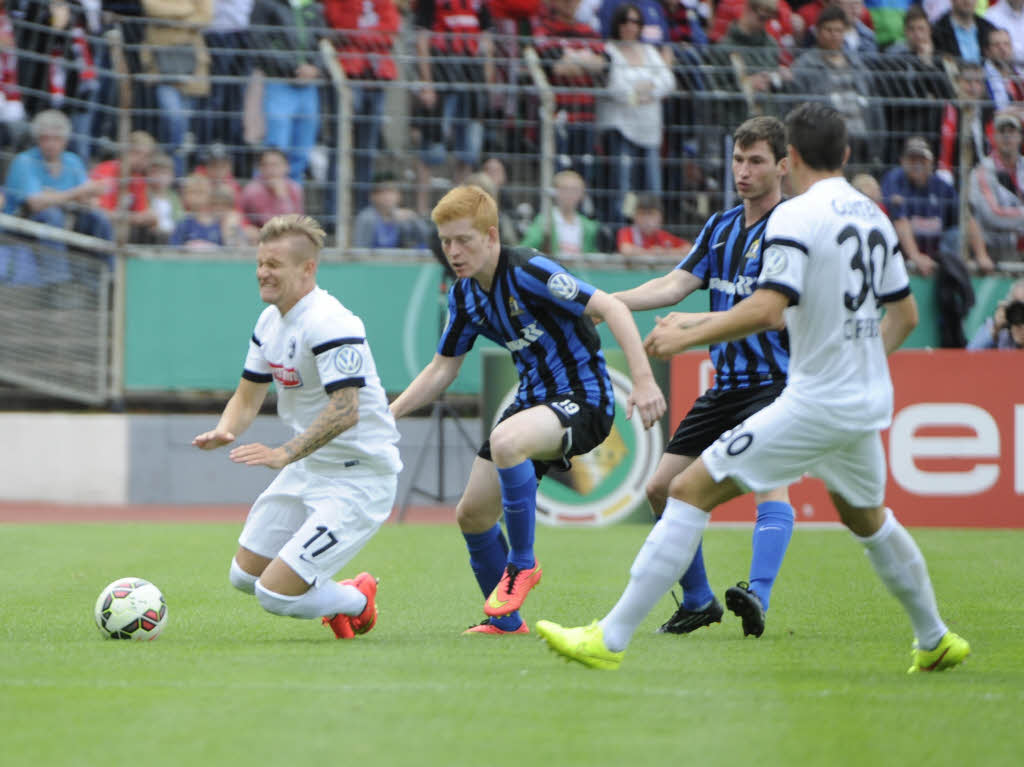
(564, 407)
(749, 373)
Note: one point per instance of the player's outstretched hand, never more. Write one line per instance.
(648, 400)
(208, 440)
(256, 454)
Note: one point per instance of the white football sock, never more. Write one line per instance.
(242, 580)
(666, 553)
(901, 566)
(329, 598)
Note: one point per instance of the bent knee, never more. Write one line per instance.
(657, 495)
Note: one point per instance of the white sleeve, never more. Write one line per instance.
(784, 259)
(894, 283)
(256, 368)
(342, 354)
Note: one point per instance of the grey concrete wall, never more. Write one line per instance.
(163, 467)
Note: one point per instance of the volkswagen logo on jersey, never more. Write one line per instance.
(774, 262)
(563, 286)
(348, 360)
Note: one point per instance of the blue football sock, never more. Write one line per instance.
(772, 531)
(696, 589)
(519, 500)
(488, 554)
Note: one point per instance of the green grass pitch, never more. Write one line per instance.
(228, 684)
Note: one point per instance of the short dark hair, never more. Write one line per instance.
(832, 13)
(767, 129)
(1015, 313)
(818, 133)
(620, 15)
(915, 13)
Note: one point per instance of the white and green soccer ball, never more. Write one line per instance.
(131, 608)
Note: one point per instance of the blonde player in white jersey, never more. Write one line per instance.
(831, 260)
(339, 471)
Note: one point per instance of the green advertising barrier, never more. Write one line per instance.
(606, 485)
(187, 322)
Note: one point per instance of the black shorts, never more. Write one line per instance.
(587, 427)
(714, 413)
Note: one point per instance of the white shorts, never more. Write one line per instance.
(317, 523)
(776, 446)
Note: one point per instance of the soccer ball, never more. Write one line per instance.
(131, 608)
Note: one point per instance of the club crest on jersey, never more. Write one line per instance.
(291, 348)
(514, 309)
(348, 360)
(564, 286)
(752, 250)
(286, 378)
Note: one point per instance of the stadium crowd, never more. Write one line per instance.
(232, 116)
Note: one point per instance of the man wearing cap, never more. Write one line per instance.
(921, 205)
(995, 190)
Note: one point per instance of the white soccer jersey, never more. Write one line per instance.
(317, 348)
(835, 254)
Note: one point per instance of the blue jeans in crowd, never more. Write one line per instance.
(292, 113)
(635, 168)
(175, 114)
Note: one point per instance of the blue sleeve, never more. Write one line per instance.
(893, 195)
(696, 261)
(21, 183)
(76, 169)
(459, 334)
(542, 278)
(180, 234)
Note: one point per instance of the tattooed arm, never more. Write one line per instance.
(341, 413)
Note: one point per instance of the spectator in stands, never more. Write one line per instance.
(868, 186)
(573, 57)
(786, 27)
(285, 31)
(57, 69)
(493, 170)
(925, 213)
(976, 108)
(1009, 15)
(365, 40)
(653, 29)
(913, 78)
(645, 240)
(12, 111)
(1005, 328)
(175, 52)
(164, 202)
(227, 40)
(996, 194)
(272, 192)
(453, 42)
(1003, 78)
(631, 113)
(235, 232)
(384, 223)
(688, 21)
(962, 33)
(125, 196)
(839, 77)
(200, 228)
(49, 184)
(565, 231)
(860, 38)
(759, 51)
(217, 167)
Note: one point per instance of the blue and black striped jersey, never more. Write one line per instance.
(727, 257)
(535, 310)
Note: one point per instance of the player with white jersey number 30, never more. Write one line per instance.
(830, 262)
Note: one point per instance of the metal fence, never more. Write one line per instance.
(523, 117)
